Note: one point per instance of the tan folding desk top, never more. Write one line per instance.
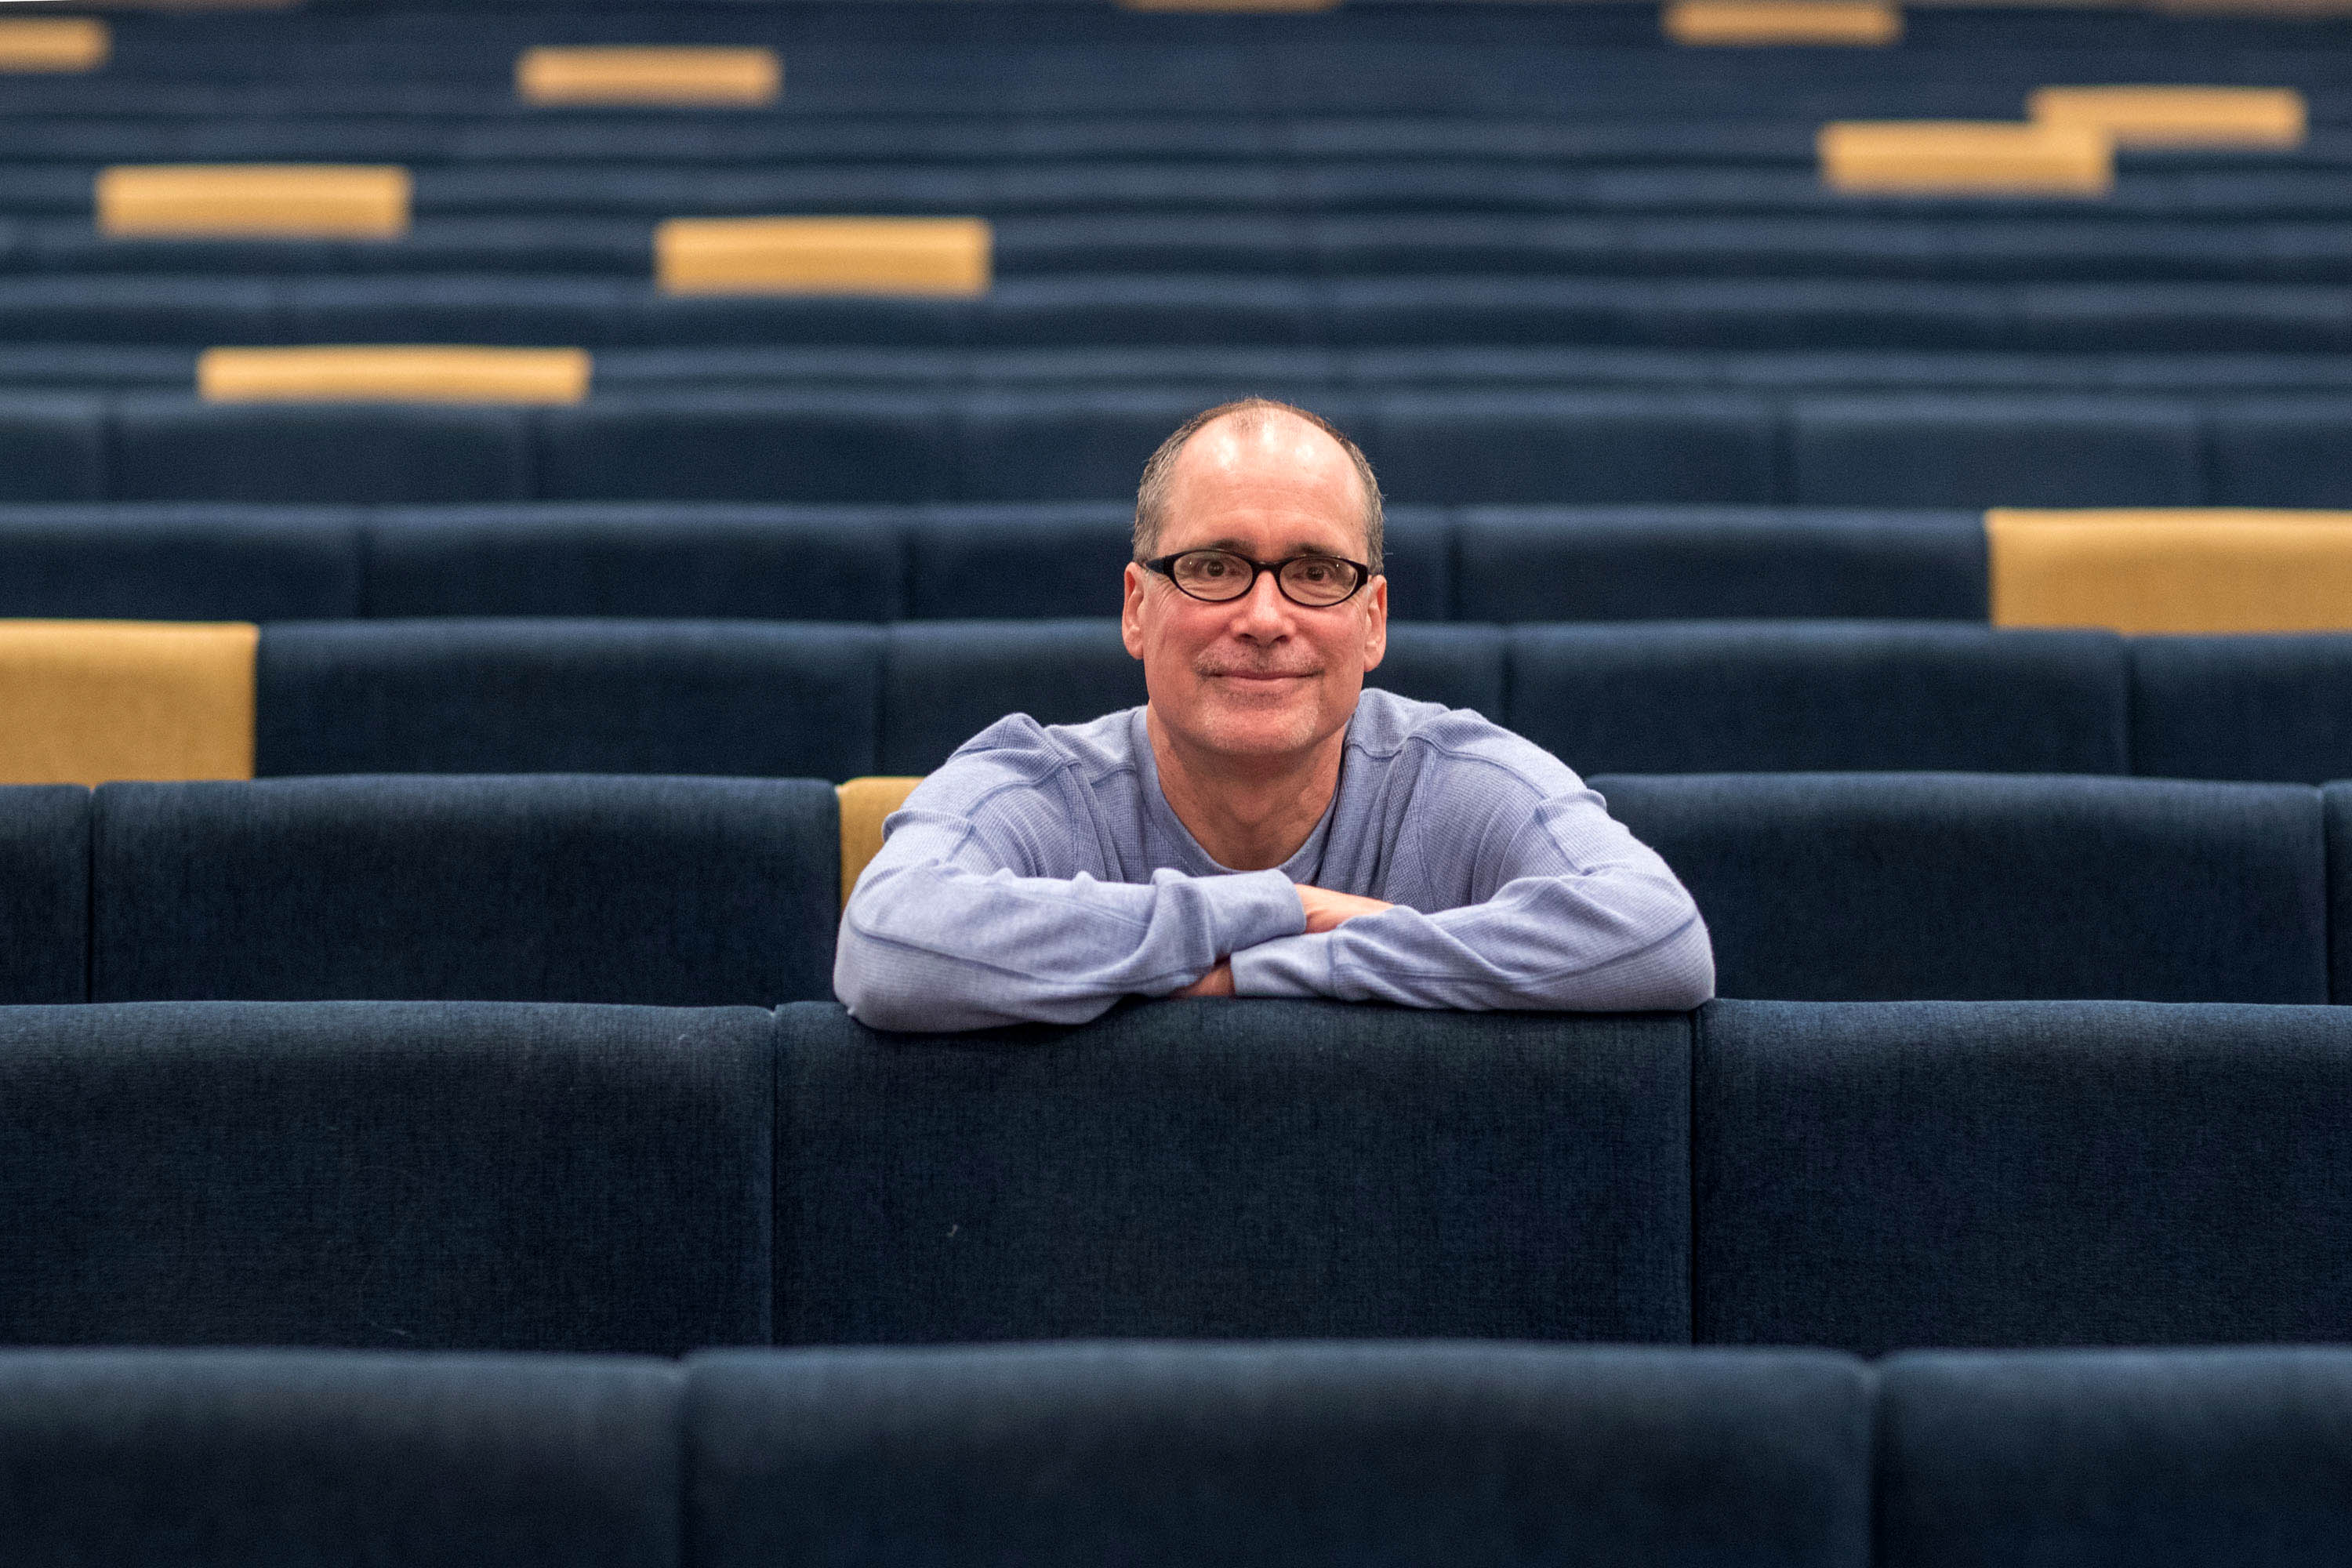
(285, 200)
(2179, 116)
(89, 702)
(824, 255)
(53, 43)
(395, 372)
(1983, 157)
(744, 77)
(864, 804)
(1748, 22)
(2158, 570)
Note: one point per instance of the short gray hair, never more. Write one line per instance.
(1152, 494)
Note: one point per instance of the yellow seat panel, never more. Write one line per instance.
(393, 373)
(284, 201)
(824, 255)
(1850, 24)
(2179, 116)
(54, 44)
(622, 74)
(1965, 157)
(2160, 569)
(864, 803)
(90, 701)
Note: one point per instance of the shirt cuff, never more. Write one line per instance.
(1286, 966)
(1252, 907)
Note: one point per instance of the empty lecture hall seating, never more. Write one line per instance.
(436, 759)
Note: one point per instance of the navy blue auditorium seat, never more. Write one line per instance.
(43, 894)
(216, 1458)
(1301, 1456)
(190, 563)
(2336, 802)
(52, 447)
(170, 448)
(2273, 707)
(945, 681)
(2053, 1173)
(2163, 1459)
(1593, 447)
(1861, 887)
(1930, 450)
(552, 888)
(1667, 562)
(762, 446)
(2281, 451)
(424, 1177)
(1206, 1170)
(560, 696)
(1772, 697)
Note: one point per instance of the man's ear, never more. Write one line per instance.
(1375, 622)
(1130, 615)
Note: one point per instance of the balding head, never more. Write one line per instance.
(1256, 443)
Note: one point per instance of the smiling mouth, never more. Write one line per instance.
(1260, 674)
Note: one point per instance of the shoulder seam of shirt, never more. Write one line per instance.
(1455, 754)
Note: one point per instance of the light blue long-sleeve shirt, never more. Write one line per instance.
(1040, 875)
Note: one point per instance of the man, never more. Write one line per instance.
(1263, 825)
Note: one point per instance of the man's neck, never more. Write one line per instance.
(1250, 814)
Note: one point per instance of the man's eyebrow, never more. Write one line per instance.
(1237, 547)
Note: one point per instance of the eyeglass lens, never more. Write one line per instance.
(1217, 574)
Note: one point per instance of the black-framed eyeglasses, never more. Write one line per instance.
(1219, 576)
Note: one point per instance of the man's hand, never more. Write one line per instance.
(1326, 908)
(1218, 982)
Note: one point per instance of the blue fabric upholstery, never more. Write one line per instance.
(175, 448)
(182, 562)
(386, 1175)
(2243, 707)
(1861, 887)
(44, 893)
(1074, 446)
(760, 562)
(553, 888)
(1568, 448)
(2336, 802)
(214, 1459)
(525, 696)
(1461, 667)
(2281, 451)
(52, 449)
(945, 681)
(1158, 1456)
(746, 446)
(2165, 1459)
(1719, 563)
(1236, 1169)
(1981, 451)
(1771, 697)
(1042, 561)
(2052, 1173)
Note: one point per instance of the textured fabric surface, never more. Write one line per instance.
(834, 446)
(2171, 570)
(1872, 1177)
(2243, 708)
(2336, 803)
(43, 894)
(866, 804)
(668, 891)
(567, 696)
(1953, 887)
(179, 563)
(1949, 450)
(394, 1177)
(1773, 697)
(1717, 563)
(1160, 1456)
(1041, 875)
(1239, 1169)
(220, 1459)
(776, 563)
(944, 683)
(1569, 447)
(2158, 1459)
(174, 448)
(52, 449)
(88, 702)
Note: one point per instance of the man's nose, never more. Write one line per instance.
(1263, 612)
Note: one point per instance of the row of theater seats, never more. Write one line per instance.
(1479, 1455)
(798, 699)
(679, 892)
(1859, 1177)
(1889, 448)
